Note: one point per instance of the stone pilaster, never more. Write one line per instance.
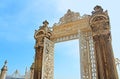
(42, 32)
(100, 26)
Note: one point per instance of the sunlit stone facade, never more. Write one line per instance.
(93, 32)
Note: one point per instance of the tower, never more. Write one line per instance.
(100, 27)
(40, 35)
(3, 71)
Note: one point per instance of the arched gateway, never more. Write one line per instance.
(93, 32)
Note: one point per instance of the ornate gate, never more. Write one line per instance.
(94, 59)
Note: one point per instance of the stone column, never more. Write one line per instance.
(3, 71)
(100, 26)
(39, 36)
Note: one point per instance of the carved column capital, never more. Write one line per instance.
(99, 24)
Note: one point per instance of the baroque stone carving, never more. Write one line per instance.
(48, 60)
(94, 35)
(100, 27)
(68, 17)
(100, 24)
(87, 56)
(43, 31)
(40, 35)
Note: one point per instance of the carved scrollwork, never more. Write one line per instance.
(70, 16)
(99, 21)
(99, 24)
(43, 31)
(48, 60)
(105, 37)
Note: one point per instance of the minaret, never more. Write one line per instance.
(39, 36)
(3, 71)
(100, 27)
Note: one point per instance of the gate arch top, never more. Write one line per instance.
(69, 25)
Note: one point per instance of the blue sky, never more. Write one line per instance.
(19, 19)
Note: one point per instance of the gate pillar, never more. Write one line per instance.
(87, 56)
(43, 64)
(100, 26)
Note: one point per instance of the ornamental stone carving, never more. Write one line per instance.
(48, 60)
(93, 32)
(99, 21)
(68, 17)
(42, 32)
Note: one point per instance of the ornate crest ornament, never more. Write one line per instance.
(70, 16)
(42, 32)
(99, 21)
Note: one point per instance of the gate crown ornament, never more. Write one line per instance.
(99, 21)
(43, 31)
(97, 9)
(45, 23)
(70, 16)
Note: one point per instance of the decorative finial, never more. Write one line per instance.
(45, 23)
(68, 11)
(97, 9)
(5, 62)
